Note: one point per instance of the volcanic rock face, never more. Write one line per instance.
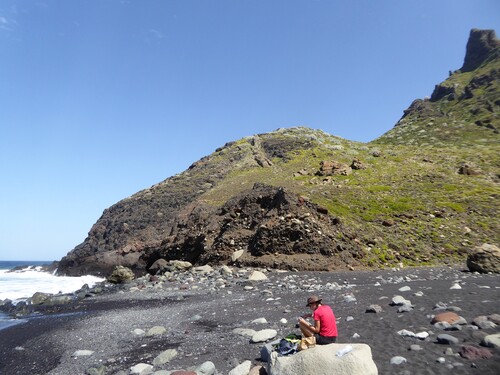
(273, 226)
(479, 47)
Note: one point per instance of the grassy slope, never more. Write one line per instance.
(417, 189)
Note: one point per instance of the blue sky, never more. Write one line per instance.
(102, 98)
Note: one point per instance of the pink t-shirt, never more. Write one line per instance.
(328, 324)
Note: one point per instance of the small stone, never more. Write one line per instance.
(259, 321)
(165, 357)
(141, 368)
(415, 348)
(400, 301)
(404, 289)
(374, 309)
(244, 332)
(138, 332)
(422, 335)
(257, 276)
(156, 331)
(206, 368)
(82, 353)
(456, 286)
(264, 335)
(492, 341)
(101, 370)
(483, 322)
(441, 360)
(241, 369)
(474, 353)
(398, 360)
(405, 308)
(447, 339)
(349, 298)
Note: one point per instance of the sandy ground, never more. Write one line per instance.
(199, 320)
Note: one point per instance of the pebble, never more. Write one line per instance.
(405, 308)
(264, 335)
(259, 321)
(374, 309)
(447, 339)
(398, 360)
(141, 368)
(241, 369)
(349, 298)
(165, 357)
(400, 301)
(156, 331)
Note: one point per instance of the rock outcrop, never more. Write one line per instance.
(463, 109)
(481, 44)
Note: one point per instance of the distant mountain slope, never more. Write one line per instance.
(464, 109)
(425, 192)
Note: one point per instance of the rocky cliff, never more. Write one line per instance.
(425, 192)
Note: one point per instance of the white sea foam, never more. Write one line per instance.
(23, 284)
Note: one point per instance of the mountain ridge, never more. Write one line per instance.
(300, 198)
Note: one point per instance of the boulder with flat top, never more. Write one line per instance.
(325, 360)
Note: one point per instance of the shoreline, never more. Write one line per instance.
(200, 312)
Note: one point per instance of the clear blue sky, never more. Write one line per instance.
(102, 98)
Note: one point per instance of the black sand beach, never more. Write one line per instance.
(201, 312)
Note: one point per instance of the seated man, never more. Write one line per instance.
(325, 325)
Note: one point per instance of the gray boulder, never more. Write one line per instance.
(121, 275)
(492, 341)
(323, 360)
(39, 298)
(484, 259)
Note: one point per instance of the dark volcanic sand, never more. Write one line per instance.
(200, 321)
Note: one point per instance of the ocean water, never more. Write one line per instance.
(22, 284)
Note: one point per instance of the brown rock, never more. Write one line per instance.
(468, 170)
(357, 164)
(474, 353)
(448, 317)
(328, 168)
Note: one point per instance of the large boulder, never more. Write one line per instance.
(323, 360)
(121, 275)
(484, 259)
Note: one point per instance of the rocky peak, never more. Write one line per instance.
(479, 47)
